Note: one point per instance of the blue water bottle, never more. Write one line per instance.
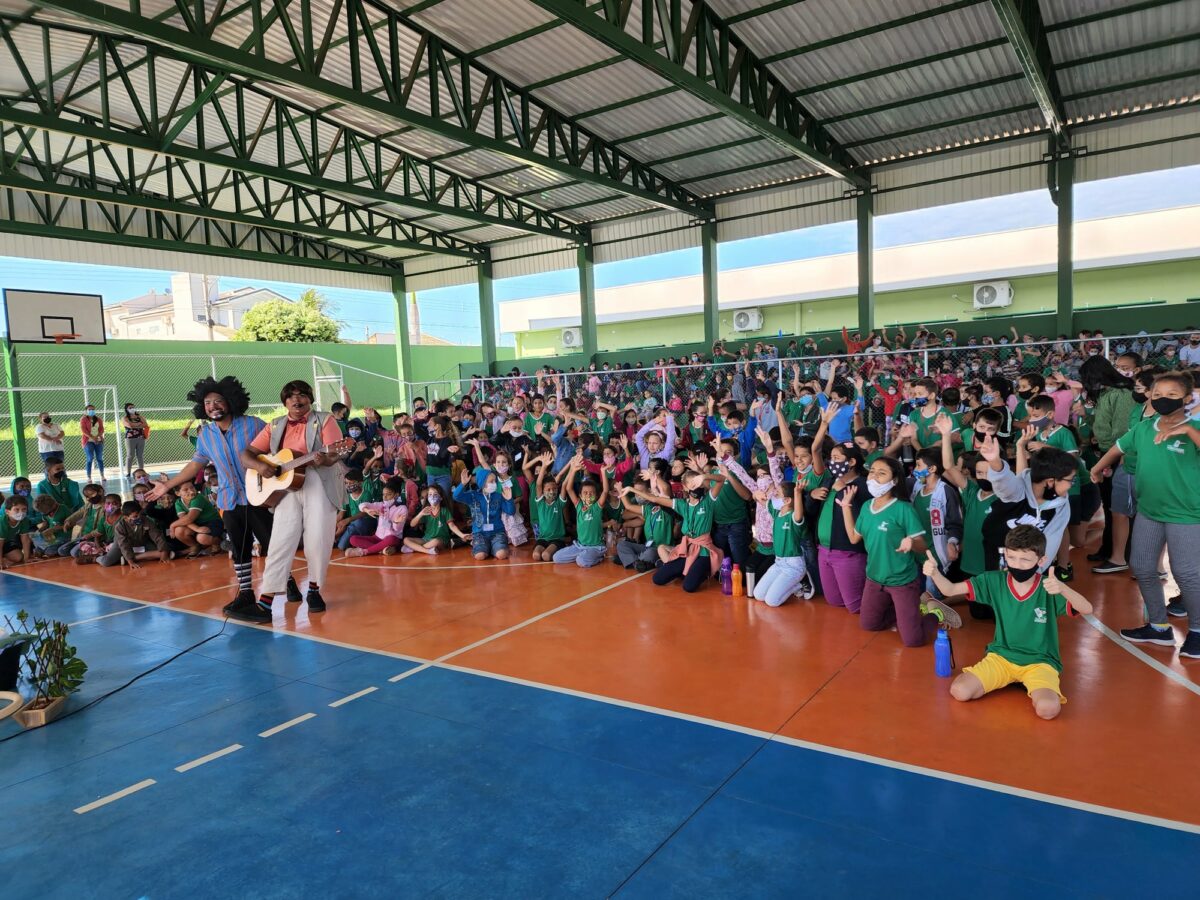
(943, 654)
(727, 576)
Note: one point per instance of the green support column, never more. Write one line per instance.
(585, 261)
(14, 408)
(708, 261)
(866, 264)
(1064, 197)
(487, 316)
(403, 345)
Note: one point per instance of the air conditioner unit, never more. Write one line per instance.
(572, 338)
(993, 295)
(747, 320)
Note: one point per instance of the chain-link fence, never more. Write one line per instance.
(64, 405)
(157, 385)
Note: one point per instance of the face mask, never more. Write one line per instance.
(777, 502)
(1049, 493)
(46, 421)
(16, 514)
(56, 477)
(135, 521)
(355, 432)
(839, 468)
(877, 342)
(601, 414)
(1022, 574)
(22, 493)
(502, 468)
(988, 398)
(806, 400)
(396, 501)
(1139, 396)
(1024, 395)
(1164, 406)
(804, 470)
(143, 480)
(490, 487)
(91, 412)
(435, 500)
(920, 474)
(1004, 340)
(891, 390)
(109, 508)
(985, 484)
(920, 401)
(697, 493)
(877, 490)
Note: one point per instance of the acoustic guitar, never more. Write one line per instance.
(289, 473)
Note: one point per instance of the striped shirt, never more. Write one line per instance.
(223, 449)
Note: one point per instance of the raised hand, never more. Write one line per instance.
(827, 415)
(1051, 583)
(847, 496)
(1027, 434)
(989, 448)
(930, 567)
(943, 424)
(465, 478)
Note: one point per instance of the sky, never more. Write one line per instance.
(452, 314)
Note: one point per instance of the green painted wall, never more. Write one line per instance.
(1099, 296)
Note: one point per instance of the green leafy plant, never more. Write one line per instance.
(53, 667)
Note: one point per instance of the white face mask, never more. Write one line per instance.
(502, 467)
(777, 502)
(875, 489)
(17, 515)
(601, 414)
(490, 487)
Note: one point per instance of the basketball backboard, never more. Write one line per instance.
(49, 317)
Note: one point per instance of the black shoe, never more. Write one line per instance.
(1148, 634)
(1176, 608)
(293, 591)
(1097, 557)
(642, 566)
(1108, 567)
(1191, 645)
(316, 603)
(240, 602)
(255, 612)
(1065, 573)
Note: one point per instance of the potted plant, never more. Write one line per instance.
(12, 647)
(53, 669)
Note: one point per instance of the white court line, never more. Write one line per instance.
(271, 732)
(1149, 660)
(119, 612)
(410, 569)
(196, 763)
(349, 697)
(104, 801)
(412, 671)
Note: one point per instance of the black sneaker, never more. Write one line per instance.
(316, 603)
(255, 612)
(1097, 557)
(293, 591)
(1148, 634)
(1108, 567)
(642, 566)
(1191, 645)
(240, 602)
(1065, 573)
(1176, 608)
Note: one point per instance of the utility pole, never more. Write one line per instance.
(208, 310)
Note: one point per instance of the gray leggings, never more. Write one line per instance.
(629, 552)
(134, 446)
(1183, 546)
(583, 556)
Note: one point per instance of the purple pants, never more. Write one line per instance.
(883, 607)
(843, 574)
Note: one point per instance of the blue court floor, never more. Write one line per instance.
(446, 783)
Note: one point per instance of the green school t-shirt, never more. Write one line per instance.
(350, 507)
(785, 533)
(698, 518)
(10, 529)
(208, 512)
(729, 506)
(975, 510)
(659, 526)
(882, 531)
(548, 516)
(603, 428)
(588, 525)
(1026, 627)
(927, 435)
(437, 524)
(1169, 494)
(614, 513)
(547, 420)
(1129, 461)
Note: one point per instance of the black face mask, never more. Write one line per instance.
(1024, 395)
(839, 468)
(698, 493)
(985, 484)
(1139, 397)
(1022, 574)
(1049, 493)
(1164, 406)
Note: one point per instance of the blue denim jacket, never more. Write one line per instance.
(485, 508)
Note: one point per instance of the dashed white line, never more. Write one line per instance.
(354, 696)
(104, 801)
(196, 763)
(270, 732)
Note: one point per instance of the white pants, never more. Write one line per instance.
(308, 513)
(779, 582)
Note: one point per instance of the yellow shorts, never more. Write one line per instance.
(995, 672)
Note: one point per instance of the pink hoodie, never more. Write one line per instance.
(391, 518)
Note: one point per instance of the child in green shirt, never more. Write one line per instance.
(198, 525)
(1027, 606)
(438, 524)
(16, 543)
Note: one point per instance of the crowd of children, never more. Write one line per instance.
(895, 494)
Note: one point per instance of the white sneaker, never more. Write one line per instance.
(807, 590)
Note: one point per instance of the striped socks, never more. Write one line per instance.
(242, 570)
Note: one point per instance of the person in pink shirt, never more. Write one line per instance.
(390, 515)
(1063, 392)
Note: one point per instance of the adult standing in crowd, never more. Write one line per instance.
(137, 429)
(50, 438)
(222, 406)
(1112, 394)
(91, 430)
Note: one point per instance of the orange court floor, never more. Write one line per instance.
(804, 672)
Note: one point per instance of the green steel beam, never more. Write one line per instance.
(742, 87)
(300, 143)
(392, 49)
(1022, 23)
(404, 368)
(1063, 192)
(865, 220)
(585, 261)
(15, 413)
(487, 315)
(708, 269)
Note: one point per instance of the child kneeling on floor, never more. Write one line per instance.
(783, 578)
(1027, 606)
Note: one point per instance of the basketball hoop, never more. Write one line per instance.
(59, 338)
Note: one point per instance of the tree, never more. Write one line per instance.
(302, 322)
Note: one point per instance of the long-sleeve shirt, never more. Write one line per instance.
(1052, 516)
(91, 430)
(1112, 416)
(763, 520)
(668, 450)
(563, 449)
(486, 509)
(390, 518)
(129, 537)
(745, 437)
